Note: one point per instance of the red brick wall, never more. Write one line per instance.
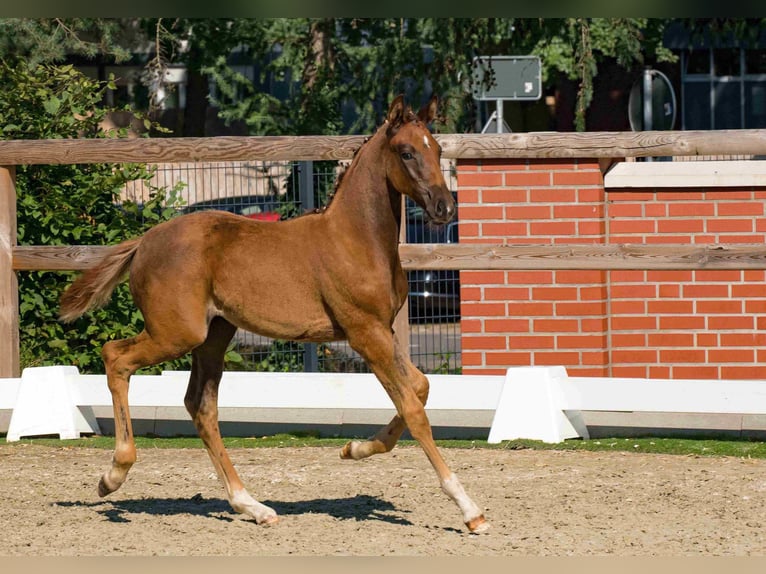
(656, 324)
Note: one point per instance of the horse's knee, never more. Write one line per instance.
(421, 387)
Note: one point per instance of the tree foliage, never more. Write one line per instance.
(67, 205)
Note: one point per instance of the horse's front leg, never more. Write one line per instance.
(403, 383)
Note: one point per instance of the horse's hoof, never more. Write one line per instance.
(478, 525)
(269, 521)
(103, 489)
(345, 452)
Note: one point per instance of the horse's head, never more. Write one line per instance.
(413, 166)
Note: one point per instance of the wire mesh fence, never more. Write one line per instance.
(271, 191)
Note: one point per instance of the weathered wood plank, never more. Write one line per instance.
(481, 256)
(9, 288)
(285, 148)
(603, 257)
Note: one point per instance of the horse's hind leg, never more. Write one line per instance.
(201, 401)
(387, 437)
(121, 359)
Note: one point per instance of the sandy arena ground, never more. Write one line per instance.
(539, 503)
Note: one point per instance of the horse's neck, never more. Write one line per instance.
(363, 202)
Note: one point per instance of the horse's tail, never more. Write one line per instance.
(94, 287)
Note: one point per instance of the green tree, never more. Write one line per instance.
(69, 204)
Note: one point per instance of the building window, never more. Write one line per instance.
(723, 88)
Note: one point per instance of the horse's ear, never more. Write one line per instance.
(428, 112)
(396, 111)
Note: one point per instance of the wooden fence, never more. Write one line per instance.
(607, 147)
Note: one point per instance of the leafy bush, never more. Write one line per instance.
(68, 205)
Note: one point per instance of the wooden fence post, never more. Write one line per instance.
(9, 287)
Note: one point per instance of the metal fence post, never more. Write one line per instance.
(306, 195)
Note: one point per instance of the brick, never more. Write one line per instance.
(754, 275)
(591, 228)
(468, 309)
(504, 229)
(556, 358)
(680, 225)
(659, 372)
(695, 372)
(588, 371)
(503, 195)
(552, 228)
(669, 307)
(555, 325)
(628, 340)
(634, 323)
(595, 358)
(531, 342)
(729, 195)
(718, 275)
(527, 179)
(480, 212)
(707, 339)
(627, 276)
(684, 196)
(695, 322)
(671, 340)
(655, 239)
(669, 291)
(632, 226)
(467, 229)
(554, 293)
(582, 277)
(470, 277)
(743, 339)
(729, 225)
(748, 290)
(627, 307)
(580, 341)
(627, 356)
(729, 322)
(534, 309)
(528, 212)
(471, 326)
(471, 358)
(466, 165)
(725, 307)
(506, 294)
(591, 195)
(506, 326)
(629, 371)
(691, 209)
(749, 238)
(468, 293)
(480, 179)
(617, 210)
(755, 307)
(578, 178)
(580, 309)
(509, 359)
(578, 211)
(743, 372)
(600, 325)
(641, 291)
(466, 195)
(530, 277)
(484, 371)
(655, 210)
(700, 291)
(682, 356)
(484, 342)
(731, 355)
(552, 195)
(742, 208)
(632, 196)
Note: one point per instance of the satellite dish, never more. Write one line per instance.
(652, 102)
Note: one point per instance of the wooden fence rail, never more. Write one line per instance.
(601, 145)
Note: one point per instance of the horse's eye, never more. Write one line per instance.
(406, 155)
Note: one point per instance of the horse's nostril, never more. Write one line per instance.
(441, 208)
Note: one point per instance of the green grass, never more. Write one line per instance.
(678, 446)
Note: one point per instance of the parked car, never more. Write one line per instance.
(260, 207)
(434, 295)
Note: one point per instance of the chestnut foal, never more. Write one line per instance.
(330, 275)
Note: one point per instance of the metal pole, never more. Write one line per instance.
(306, 193)
(499, 116)
(647, 91)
